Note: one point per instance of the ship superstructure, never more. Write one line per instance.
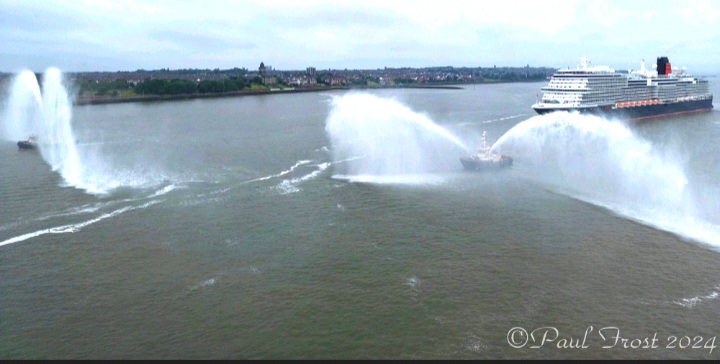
(633, 95)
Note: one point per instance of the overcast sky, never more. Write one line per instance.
(112, 35)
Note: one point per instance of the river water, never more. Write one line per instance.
(340, 225)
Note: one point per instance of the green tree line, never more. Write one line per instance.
(161, 87)
(178, 87)
(104, 88)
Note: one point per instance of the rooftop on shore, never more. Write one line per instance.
(166, 84)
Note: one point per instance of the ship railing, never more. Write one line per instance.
(687, 98)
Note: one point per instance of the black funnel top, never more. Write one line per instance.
(663, 66)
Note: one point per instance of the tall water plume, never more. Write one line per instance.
(57, 143)
(385, 139)
(607, 164)
(47, 114)
(23, 108)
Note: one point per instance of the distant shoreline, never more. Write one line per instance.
(99, 100)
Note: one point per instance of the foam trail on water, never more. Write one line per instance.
(87, 208)
(290, 185)
(414, 179)
(606, 164)
(74, 227)
(298, 164)
(491, 120)
(694, 301)
(206, 283)
(321, 168)
(163, 191)
(393, 139)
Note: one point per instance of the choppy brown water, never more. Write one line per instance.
(228, 237)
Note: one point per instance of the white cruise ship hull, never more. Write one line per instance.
(636, 113)
(635, 95)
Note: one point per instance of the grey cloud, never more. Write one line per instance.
(200, 42)
(337, 15)
(47, 20)
(592, 38)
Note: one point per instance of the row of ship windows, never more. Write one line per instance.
(597, 100)
(592, 82)
(631, 90)
(616, 82)
(594, 79)
(639, 92)
(645, 92)
(584, 86)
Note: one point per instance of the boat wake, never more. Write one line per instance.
(165, 190)
(694, 301)
(85, 210)
(72, 228)
(491, 120)
(401, 179)
(604, 163)
(285, 172)
(392, 179)
(288, 186)
(285, 187)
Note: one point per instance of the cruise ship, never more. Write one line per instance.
(631, 95)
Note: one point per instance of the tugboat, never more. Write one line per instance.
(484, 159)
(30, 143)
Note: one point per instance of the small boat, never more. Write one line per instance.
(30, 143)
(484, 159)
